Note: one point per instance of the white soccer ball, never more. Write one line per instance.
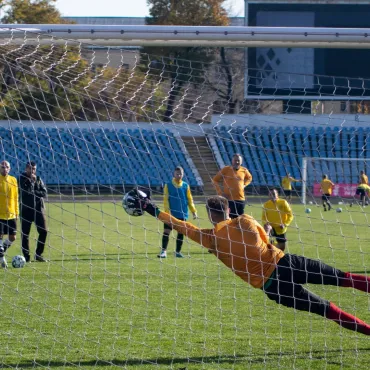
(18, 262)
(340, 203)
(308, 210)
(310, 202)
(339, 210)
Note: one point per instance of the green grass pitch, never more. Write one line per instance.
(106, 301)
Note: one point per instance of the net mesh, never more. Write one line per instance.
(100, 121)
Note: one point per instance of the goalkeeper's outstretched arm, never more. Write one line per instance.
(203, 237)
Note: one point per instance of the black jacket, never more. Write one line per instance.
(32, 194)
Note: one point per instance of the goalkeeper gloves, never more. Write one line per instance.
(150, 207)
(146, 204)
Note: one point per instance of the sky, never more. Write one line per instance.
(123, 8)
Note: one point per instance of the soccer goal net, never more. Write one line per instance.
(99, 119)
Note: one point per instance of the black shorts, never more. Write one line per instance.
(326, 197)
(287, 193)
(284, 286)
(8, 227)
(236, 208)
(360, 192)
(280, 238)
(169, 227)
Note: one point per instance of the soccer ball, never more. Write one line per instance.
(310, 202)
(308, 210)
(339, 210)
(131, 202)
(18, 262)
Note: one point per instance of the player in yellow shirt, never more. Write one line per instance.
(326, 187)
(286, 184)
(234, 179)
(363, 178)
(362, 190)
(276, 217)
(9, 210)
(242, 245)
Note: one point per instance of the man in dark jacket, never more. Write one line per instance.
(32, 191)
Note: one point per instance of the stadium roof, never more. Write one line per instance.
(127, 21)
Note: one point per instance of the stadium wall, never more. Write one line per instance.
(191, 129)
(292, 120)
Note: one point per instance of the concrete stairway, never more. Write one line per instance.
(204, 160)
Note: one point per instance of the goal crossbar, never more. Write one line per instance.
(139, 35)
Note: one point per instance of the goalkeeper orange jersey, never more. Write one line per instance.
(9, 207)
(240, 243)
(233, 182)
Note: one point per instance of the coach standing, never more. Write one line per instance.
(33, 192)
(234, 179)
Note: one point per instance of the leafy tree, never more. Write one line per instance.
(55, 82)
(182, 65)
(230, 68)
(31, 12)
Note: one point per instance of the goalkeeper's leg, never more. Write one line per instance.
(290, 294)
(305, 270)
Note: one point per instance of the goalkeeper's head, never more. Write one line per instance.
(217, 209)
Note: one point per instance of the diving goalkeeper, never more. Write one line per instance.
(243, 246)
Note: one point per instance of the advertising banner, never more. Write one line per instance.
(339, 190)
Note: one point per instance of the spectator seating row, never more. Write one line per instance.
(96, 156)
(272, 152)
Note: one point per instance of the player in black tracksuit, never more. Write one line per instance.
(32, 191)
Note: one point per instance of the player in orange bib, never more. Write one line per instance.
(234, 179)
(243, 246)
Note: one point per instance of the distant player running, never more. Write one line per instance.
(326, 187)
(242, 245)
(362, 190)
(286, 184)
(363, 178)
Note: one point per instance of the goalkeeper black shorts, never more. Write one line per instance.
(285, 285)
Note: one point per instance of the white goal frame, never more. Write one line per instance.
(211, 36)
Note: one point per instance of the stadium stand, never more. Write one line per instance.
(96, 157)
(271, 152)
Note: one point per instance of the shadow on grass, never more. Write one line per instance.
(330, 356)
